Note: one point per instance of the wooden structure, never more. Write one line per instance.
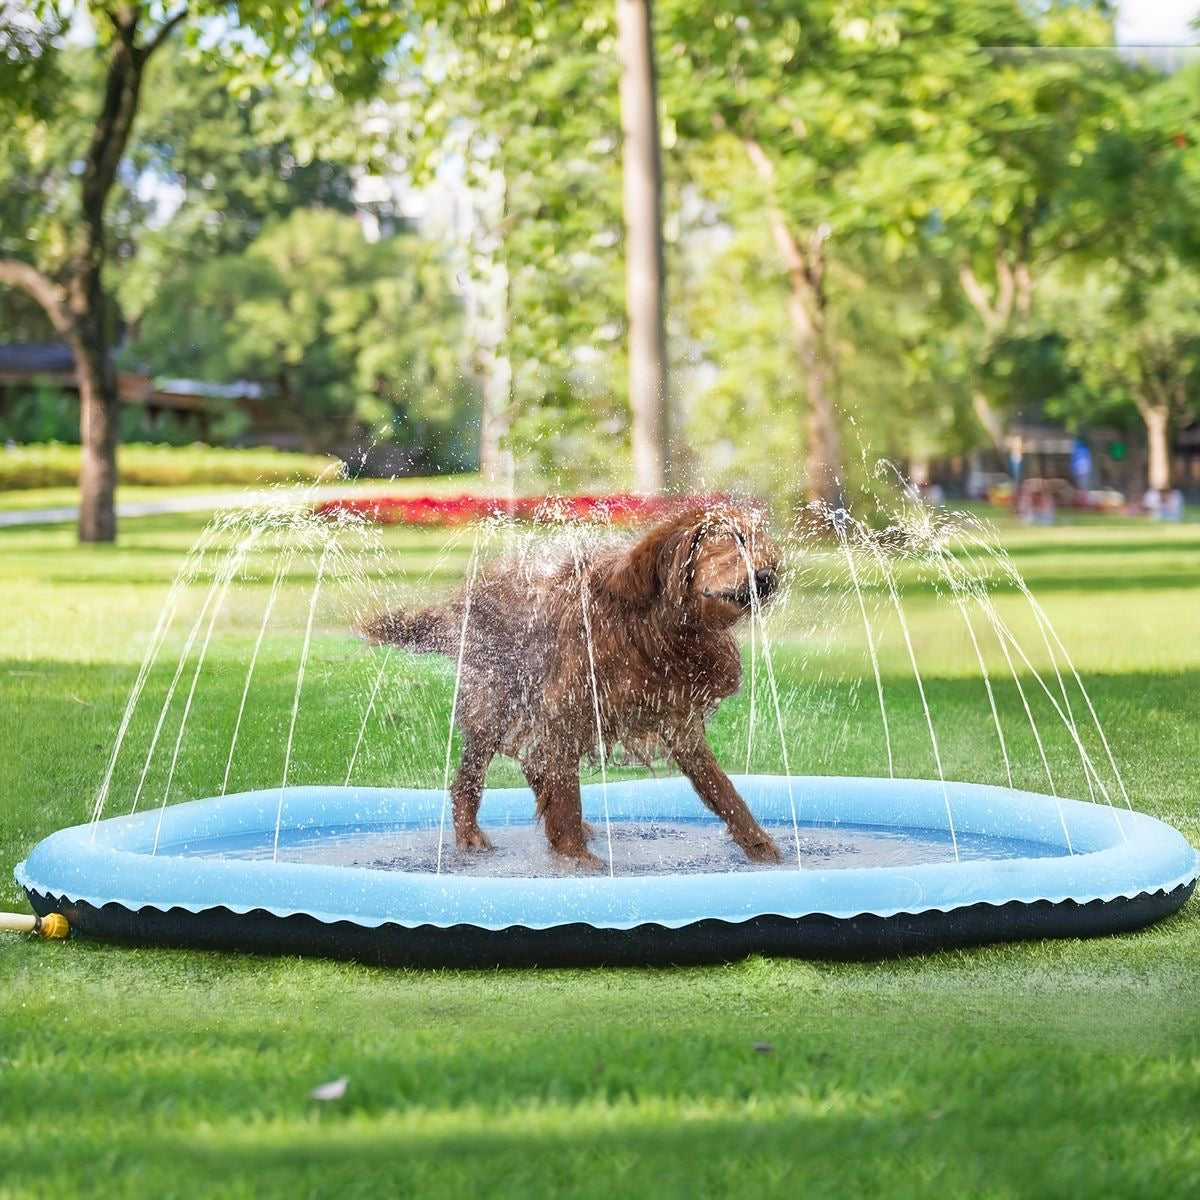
(26, 366)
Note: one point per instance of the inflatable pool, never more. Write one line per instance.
(872, 867)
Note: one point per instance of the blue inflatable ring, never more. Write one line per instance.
(139, 878)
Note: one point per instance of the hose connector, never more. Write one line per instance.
(53, 925)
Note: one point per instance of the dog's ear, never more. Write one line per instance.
(658, 564)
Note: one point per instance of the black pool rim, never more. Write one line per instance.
(864, 937)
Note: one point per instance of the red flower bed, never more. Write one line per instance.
(461, 510)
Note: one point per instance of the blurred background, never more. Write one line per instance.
(598, 247)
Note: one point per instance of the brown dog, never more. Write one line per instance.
(638, 635)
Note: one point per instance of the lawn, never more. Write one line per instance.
(1063, 1069)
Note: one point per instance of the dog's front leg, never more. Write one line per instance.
(697, 761)
(556, 787)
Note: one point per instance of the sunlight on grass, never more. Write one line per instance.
(1064, 1068)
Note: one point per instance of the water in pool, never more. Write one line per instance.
(638, 848)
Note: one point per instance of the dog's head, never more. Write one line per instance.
(711, 565)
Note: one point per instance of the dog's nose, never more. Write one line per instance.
(765, 581)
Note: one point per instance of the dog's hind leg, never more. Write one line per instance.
(556, 788)
(697, 761)
(466, 792)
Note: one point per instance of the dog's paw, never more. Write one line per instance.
(473, 839)
(581, 859)
(761, 849)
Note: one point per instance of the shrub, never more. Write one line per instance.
(54, 465)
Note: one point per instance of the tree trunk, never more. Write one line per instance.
(489, 298)
(823, 477)
(495, 463)
(645, 271)
(1157, 419)
(991, 420)
(805, 267)
(78, 312)
(99, 433)
(1009, 305)
(98, 403)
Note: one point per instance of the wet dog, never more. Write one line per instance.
(567, 656)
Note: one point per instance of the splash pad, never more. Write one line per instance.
(873, 866)
(215, 874)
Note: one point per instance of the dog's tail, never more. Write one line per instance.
(424, 632)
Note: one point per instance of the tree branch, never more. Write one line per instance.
(124, 22)
(42, 288)
(1005, 290)
(976, 295)
(110, 137)
(988, 418)
(163, 32)
(798, 264)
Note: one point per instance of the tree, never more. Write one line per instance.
(221, 166)
(346, 336)
(1113, 234)
(734, 366)
(1135, 339)
(519, 101)
(904, 351)
(645, 268)
(827, 119)
(74, 296)
(1052, 162)
(68, 279)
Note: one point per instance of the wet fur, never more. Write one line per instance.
(660, 611)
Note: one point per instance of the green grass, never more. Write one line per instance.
(1059, 1069)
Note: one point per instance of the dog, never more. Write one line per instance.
(568, 656)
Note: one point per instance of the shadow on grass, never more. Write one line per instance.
(948, 1117)
(1083, 581)
(1148, 543)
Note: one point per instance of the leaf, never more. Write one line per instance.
(334, 1090)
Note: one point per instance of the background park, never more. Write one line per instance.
(848, 253)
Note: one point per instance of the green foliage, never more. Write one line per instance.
(1135, 337)
(29, 39)
(22, 319)
(739, 394)
(218, 168)
(342, 332)
(42, 414)
(521, 99)
(54, 465)
(967, 171)
(904, 358)
(41, 147)
(1034, 375)
(849, 104)
(1046, 147)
